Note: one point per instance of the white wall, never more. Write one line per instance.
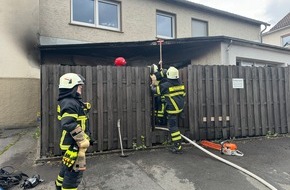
(274, 38)
(19, 63)
(235, 51)
(18, 31)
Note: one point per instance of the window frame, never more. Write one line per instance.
(78, 22)
(96, 16)
(173, 24)
(200, 21)
(118, 4)
(247, 62)
(284, 44)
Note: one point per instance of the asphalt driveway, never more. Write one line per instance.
(158, 169)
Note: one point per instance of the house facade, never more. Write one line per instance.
(279, 34)
(166, 19)
(19, 60)
(131, 20)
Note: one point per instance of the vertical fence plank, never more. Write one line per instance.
(129, 106)
(147, 112)
(263, 100)
(194, 98)
(190, 101)
(138, 106)
(257, 103)
(110, 108)
(287, 94)
(224, 102)
(100, 99)
(119, 101)
(208, 103)
(215, 94)
(201, 112)
(124, 100)
(249, 102)
(275, 100)
(185, 111)
(269, 100)
(281, 100)
(55, 122)
(44, 111)
(232, 103)
(94, 109)
(243, 115)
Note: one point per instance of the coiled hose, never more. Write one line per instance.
(224, 161)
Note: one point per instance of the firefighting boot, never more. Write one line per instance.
(176, 148)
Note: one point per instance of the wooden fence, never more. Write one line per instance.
(214, 109)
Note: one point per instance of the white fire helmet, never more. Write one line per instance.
(172, 73)
(70, 80)
(153, 68)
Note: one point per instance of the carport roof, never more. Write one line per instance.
(150, 48)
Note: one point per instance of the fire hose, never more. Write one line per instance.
(224, 160)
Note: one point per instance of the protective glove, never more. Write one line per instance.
(70, 156)
(153, 80)
(83, 143)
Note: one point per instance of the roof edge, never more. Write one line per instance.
(217, 11)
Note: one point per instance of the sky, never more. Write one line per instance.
(269, 11)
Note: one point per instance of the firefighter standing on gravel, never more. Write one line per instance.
(159, 101)
(75, 140)
(174, 92)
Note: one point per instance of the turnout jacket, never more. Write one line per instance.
(159, 100)
(173, 91)
(72, 112)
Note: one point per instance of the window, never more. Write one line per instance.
(199, 28)
(79, 15)
(256, 63)
(165, 24)
(286, 41)
(96, 13)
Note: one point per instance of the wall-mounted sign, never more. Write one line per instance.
(238, 83)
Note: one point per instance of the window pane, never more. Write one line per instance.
(199, 28)
(286, 39)
(83, 11)
(164, 25)
(108, 14)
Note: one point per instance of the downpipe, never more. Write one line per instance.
(224, 160)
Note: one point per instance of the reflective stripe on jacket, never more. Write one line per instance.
(71, 112)
(174, 93)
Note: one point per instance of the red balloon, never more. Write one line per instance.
(120, 61)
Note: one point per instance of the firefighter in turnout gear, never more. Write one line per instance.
(174, 92)
(159, 101)
(75, 139)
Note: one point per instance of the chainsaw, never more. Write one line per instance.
(224, 147)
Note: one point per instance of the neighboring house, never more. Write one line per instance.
(279, 34)
(103, 29)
